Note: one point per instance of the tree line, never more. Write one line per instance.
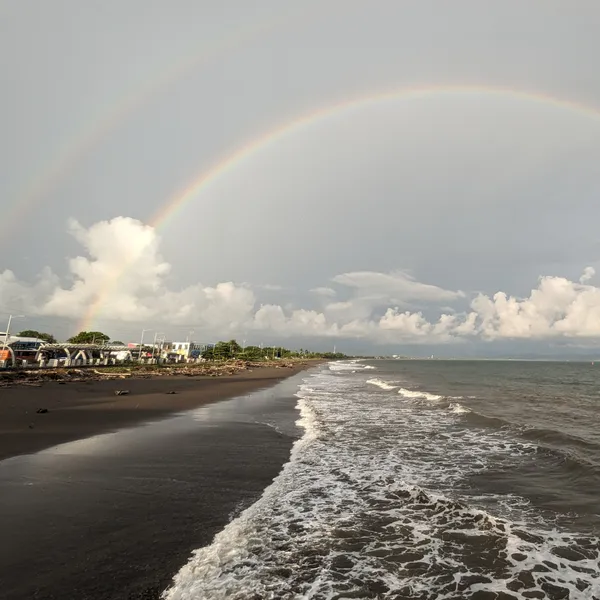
(83, 337)
(219, 351)
(232, 349)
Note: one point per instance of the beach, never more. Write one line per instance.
(81, 409)
(119, 491)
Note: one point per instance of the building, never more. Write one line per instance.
(188, 349)
(16, 350)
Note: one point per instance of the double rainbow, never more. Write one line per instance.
(228, 163)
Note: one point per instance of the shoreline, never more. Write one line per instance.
(84, 408)
(116, 516)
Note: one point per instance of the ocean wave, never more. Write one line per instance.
(360, 511)
(418, 394)
(384, 385)
(559, 438)
(458, 409)
(341, 366)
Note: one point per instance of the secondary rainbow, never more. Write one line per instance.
(221, 168)
(78, 145)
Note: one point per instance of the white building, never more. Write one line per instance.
(188, 349)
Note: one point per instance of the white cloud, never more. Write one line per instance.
(124, 275)
(269, 287)
(326, 292)
(588, 273)
(394, 287)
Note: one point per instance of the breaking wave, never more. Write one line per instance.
(458, 409)
(384, 385)
(371, 505)
(419, 394)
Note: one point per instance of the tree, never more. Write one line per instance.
(234, 348)
(252, 353)
(89, 337)
(118, 343)
(47, 337)
(231, 349)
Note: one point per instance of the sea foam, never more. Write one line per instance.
(368, 506)
(384, 385)
(419, 394)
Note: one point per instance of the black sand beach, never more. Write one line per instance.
(82, 409)
(115, 516)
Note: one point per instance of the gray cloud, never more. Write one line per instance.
(107, 115)
(123, 277)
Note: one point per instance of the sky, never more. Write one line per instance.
(391, 177)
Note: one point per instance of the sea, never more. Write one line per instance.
(423, 480)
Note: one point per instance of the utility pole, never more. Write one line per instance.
(188, 341)
(142, 343)
(154, 344)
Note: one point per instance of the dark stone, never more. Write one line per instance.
(171, 392)
(121, 392)
(41, 411)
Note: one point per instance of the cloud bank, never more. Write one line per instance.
(123, 277)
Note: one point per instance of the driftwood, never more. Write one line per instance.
(36, 377)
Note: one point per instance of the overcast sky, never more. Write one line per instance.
(464, 218)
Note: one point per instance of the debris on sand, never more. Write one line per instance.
(36, 377)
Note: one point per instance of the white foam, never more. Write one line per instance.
(458, 409)
(370, 488)
(384, 385)
(419, 394)
(345, 366)
(370, 367)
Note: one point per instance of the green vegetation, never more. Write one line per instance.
(89, 337)
(32, 333)
(231, 349)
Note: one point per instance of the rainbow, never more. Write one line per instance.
(75, 147)
(224, 166)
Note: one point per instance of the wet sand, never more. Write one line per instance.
(78, 410)
(115, 516)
